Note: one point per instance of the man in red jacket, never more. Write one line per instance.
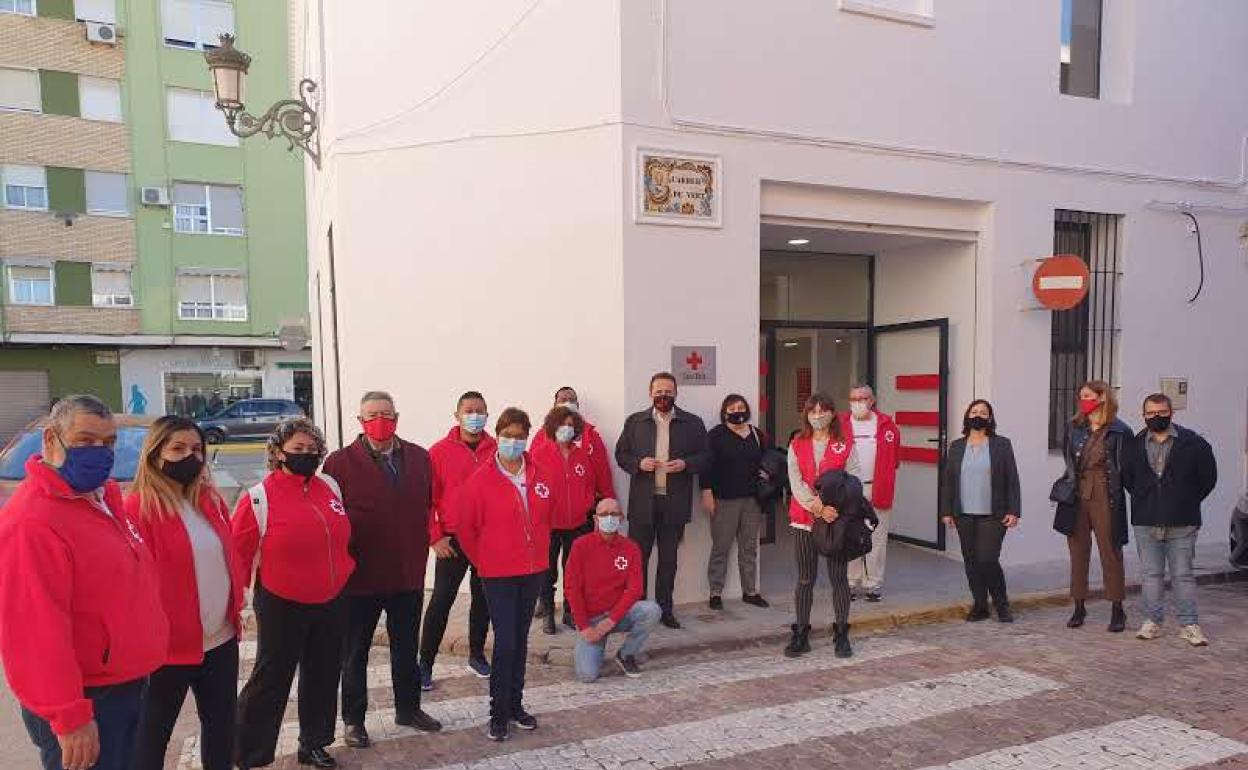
(604, 587)
(81, 619)
(876, 438)
(454, 459)
(387, 487)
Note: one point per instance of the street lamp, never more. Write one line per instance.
(294, 119)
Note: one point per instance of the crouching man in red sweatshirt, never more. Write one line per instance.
(603, 583)
(81, 618)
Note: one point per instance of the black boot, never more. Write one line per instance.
(1117, 618)
(799, 643)
(568, 620)
(548, 623)
(1003, 612)
(1079, 615)
(544, 607)
(840, 634)
(978, 612)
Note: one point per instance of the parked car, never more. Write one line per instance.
(248, 419)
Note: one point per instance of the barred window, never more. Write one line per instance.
(1084, 344)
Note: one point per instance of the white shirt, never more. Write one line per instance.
(516, 479)
(212, 577)
(864, 442)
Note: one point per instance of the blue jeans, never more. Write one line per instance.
(511, 601)
(638, 624)
(1159, 546)
(117, 710)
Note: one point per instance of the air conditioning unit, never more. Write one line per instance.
(154, 196)
(249, 358)
(102, 32)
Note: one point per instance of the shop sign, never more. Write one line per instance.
(693, 365)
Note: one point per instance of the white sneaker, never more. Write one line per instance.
(1149, 630)
(1193, 636)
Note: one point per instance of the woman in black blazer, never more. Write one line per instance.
(982, 500)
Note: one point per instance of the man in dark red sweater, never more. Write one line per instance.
(603, 582)
(386, 487)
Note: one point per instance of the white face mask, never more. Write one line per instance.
(609, 525)
(820, 422)
(860, 409)
(564, 434)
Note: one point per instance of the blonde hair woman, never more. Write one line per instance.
(184, 522)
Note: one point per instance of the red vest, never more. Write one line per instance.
(833, 459)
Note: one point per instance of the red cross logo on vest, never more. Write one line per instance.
(889, 437)
(621, 563)
(838, 448)
(541, 490)
(579, 469)
(694, 360)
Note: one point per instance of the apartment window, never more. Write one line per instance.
(25, 187)
(19, 89)
(207, 208)
(107, 194)
(1085, 340)
(24, 7)
(196, 24)
(110, 286)
(1081, 48)
(193, 117)
(30, 285)
(99, 99)
(96, 10)
(212, 296)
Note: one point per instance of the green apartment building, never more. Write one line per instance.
(149, 256)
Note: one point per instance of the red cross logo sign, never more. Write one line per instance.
(541, 490)
(621, 563)
(694, 360)
(579, 469)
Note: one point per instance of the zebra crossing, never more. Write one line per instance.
(770, 719)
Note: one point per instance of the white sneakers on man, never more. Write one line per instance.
(1149, 630)
(1193, 636)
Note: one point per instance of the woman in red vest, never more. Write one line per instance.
(569, 466)
(820, 446)
(185, 523)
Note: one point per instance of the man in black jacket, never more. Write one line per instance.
(1169, 470)
(662, 448)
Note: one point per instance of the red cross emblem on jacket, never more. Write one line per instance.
(621, 563)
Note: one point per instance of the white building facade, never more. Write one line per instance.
(883, 177)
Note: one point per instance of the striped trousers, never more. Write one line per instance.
(808, 572)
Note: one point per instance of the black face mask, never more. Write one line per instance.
(978, 423)
(737, 418)
(1158, 424)
(303, 464)
(183, 471)
(664, 403)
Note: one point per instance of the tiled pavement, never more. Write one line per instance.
(955, 695)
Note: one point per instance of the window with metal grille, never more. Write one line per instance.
(1084, 344)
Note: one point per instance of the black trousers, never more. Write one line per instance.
(981, 538)
(402, 623)
(667, 527)
(291, 635)
(512, 601)
(448, 574)
(561, 541)
(807, 555)
(214, 683)
(118, 709)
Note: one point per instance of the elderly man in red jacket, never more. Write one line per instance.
(604, 587)
(81, 619)
(875, 437)
(386, 487)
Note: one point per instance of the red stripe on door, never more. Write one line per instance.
(918, 454)
(918, 419)
(918, 382)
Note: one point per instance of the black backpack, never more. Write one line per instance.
(849, 537)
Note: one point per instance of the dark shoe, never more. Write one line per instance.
(628, 666)
(497, 730)
(318, 758)
(1004, 615)
(755, 599)
(841, 635)
(716, 603)
(544, 607)
(480, 666)
(670, 620)
(799, 643)
(854, 594)
(548, 623)
(1078, 616)
(426, 676)
(1117, 619)
(420, 720)
(523, 719)
(874, 596)
(356, 737)
(977, 614)
(568, 620)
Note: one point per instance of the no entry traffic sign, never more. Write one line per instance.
(1061, 282)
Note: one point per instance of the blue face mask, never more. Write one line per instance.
(86, 467)
(473, 422)
(511, 448)
(608, 525)
(564, 434)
